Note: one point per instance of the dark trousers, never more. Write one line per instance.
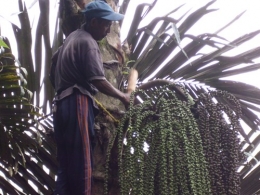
(73, 129)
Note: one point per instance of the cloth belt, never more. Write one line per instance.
(63, 94)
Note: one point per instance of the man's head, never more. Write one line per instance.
(99, 16)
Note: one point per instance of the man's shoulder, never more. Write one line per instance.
(80, 40)
(83, 37)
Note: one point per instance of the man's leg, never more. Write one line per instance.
(62, 120)
(75, 123)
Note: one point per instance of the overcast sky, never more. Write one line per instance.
(213, 21)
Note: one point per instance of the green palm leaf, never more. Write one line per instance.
(21, 133)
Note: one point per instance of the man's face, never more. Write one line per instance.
(101, 28)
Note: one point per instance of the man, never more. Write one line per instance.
(79, 74)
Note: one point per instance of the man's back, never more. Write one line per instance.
(79, 62)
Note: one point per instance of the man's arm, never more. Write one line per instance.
(108, 89)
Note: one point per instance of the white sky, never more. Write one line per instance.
(210, 23)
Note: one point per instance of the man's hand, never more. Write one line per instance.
(126, 99)
(107, 88)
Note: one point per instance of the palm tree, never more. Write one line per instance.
(25, 145)
(30, 143)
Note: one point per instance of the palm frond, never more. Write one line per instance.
(22, 135)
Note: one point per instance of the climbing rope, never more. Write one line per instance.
(106, 111)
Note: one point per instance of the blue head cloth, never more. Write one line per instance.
(100, 9)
